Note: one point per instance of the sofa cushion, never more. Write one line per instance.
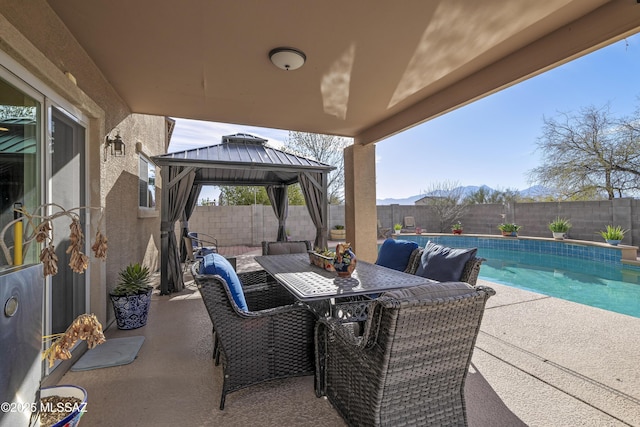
(217, 264)
(442, 263)
(282, 248)
(395, 253)
(429, 291)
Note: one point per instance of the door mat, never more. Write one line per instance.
(113, 352)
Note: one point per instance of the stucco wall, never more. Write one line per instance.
(32, 37)
(249, 225)
(133, 232)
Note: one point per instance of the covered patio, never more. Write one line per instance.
(368, 73)
(524, 371)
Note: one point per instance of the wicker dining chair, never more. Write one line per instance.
(410, 365)
(470, 271)
(288, 247)
(273, 340)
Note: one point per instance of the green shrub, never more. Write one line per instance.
(613, 233)
(509, 228)
(134, 280)
(559, 225)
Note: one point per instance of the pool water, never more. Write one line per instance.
(592, 283)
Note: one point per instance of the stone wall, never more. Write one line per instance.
(250, 225)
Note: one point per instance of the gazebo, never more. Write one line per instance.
(240, 159)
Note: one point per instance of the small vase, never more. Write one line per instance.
(345, 264)
(559, 235)
(613, 242)
(457, 231)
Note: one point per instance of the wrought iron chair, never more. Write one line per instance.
(204, 243)
(409, 224)
(383, 232)
(410, 365)
(273, 340)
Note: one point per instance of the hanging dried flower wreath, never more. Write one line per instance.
(39, 227)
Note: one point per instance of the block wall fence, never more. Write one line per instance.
(250, 225)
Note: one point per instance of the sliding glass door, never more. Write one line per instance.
(43, 160)
(66, 187)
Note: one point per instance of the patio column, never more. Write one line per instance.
(360, 200)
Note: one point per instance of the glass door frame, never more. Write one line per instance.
(23, 80)
(50, 104)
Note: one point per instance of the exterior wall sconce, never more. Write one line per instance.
(117, 145)
(287, 58)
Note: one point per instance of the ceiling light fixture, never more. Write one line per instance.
(287, 58)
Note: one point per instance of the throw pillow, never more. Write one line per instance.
(395, 253)
(442, 263)
(217, 264)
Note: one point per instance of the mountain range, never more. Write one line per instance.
(535, 191)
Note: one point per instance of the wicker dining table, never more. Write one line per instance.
(308, 282)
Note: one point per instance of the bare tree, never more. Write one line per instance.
(326, 149)
(447, 201)
(590, 153)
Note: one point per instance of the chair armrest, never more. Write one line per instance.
(471, 271)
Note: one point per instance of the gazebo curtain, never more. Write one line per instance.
(278, 196)
(184, 222)
(314, 192)
(179, 187)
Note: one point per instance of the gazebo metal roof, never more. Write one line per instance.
(242, 159)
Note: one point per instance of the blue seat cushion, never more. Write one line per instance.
(442, 263)
(217, 264)
(395, 253)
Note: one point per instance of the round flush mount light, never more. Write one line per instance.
(287, 58)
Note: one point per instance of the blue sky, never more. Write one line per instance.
(491, 141)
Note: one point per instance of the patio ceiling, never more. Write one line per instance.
(372, 69)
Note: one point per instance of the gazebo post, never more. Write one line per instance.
(164, 232)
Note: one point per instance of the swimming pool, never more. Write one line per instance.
(605, 285)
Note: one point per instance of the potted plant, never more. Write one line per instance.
(132, 297)
(559, 227)
(509, 229)
(63, 405)
(613, 235)
(338, 232)
(457, 228)
(397, 228)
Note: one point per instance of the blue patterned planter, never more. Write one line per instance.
(131, 311)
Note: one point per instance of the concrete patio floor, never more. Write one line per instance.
(539, 361)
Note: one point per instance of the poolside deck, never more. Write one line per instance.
(539, 361)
